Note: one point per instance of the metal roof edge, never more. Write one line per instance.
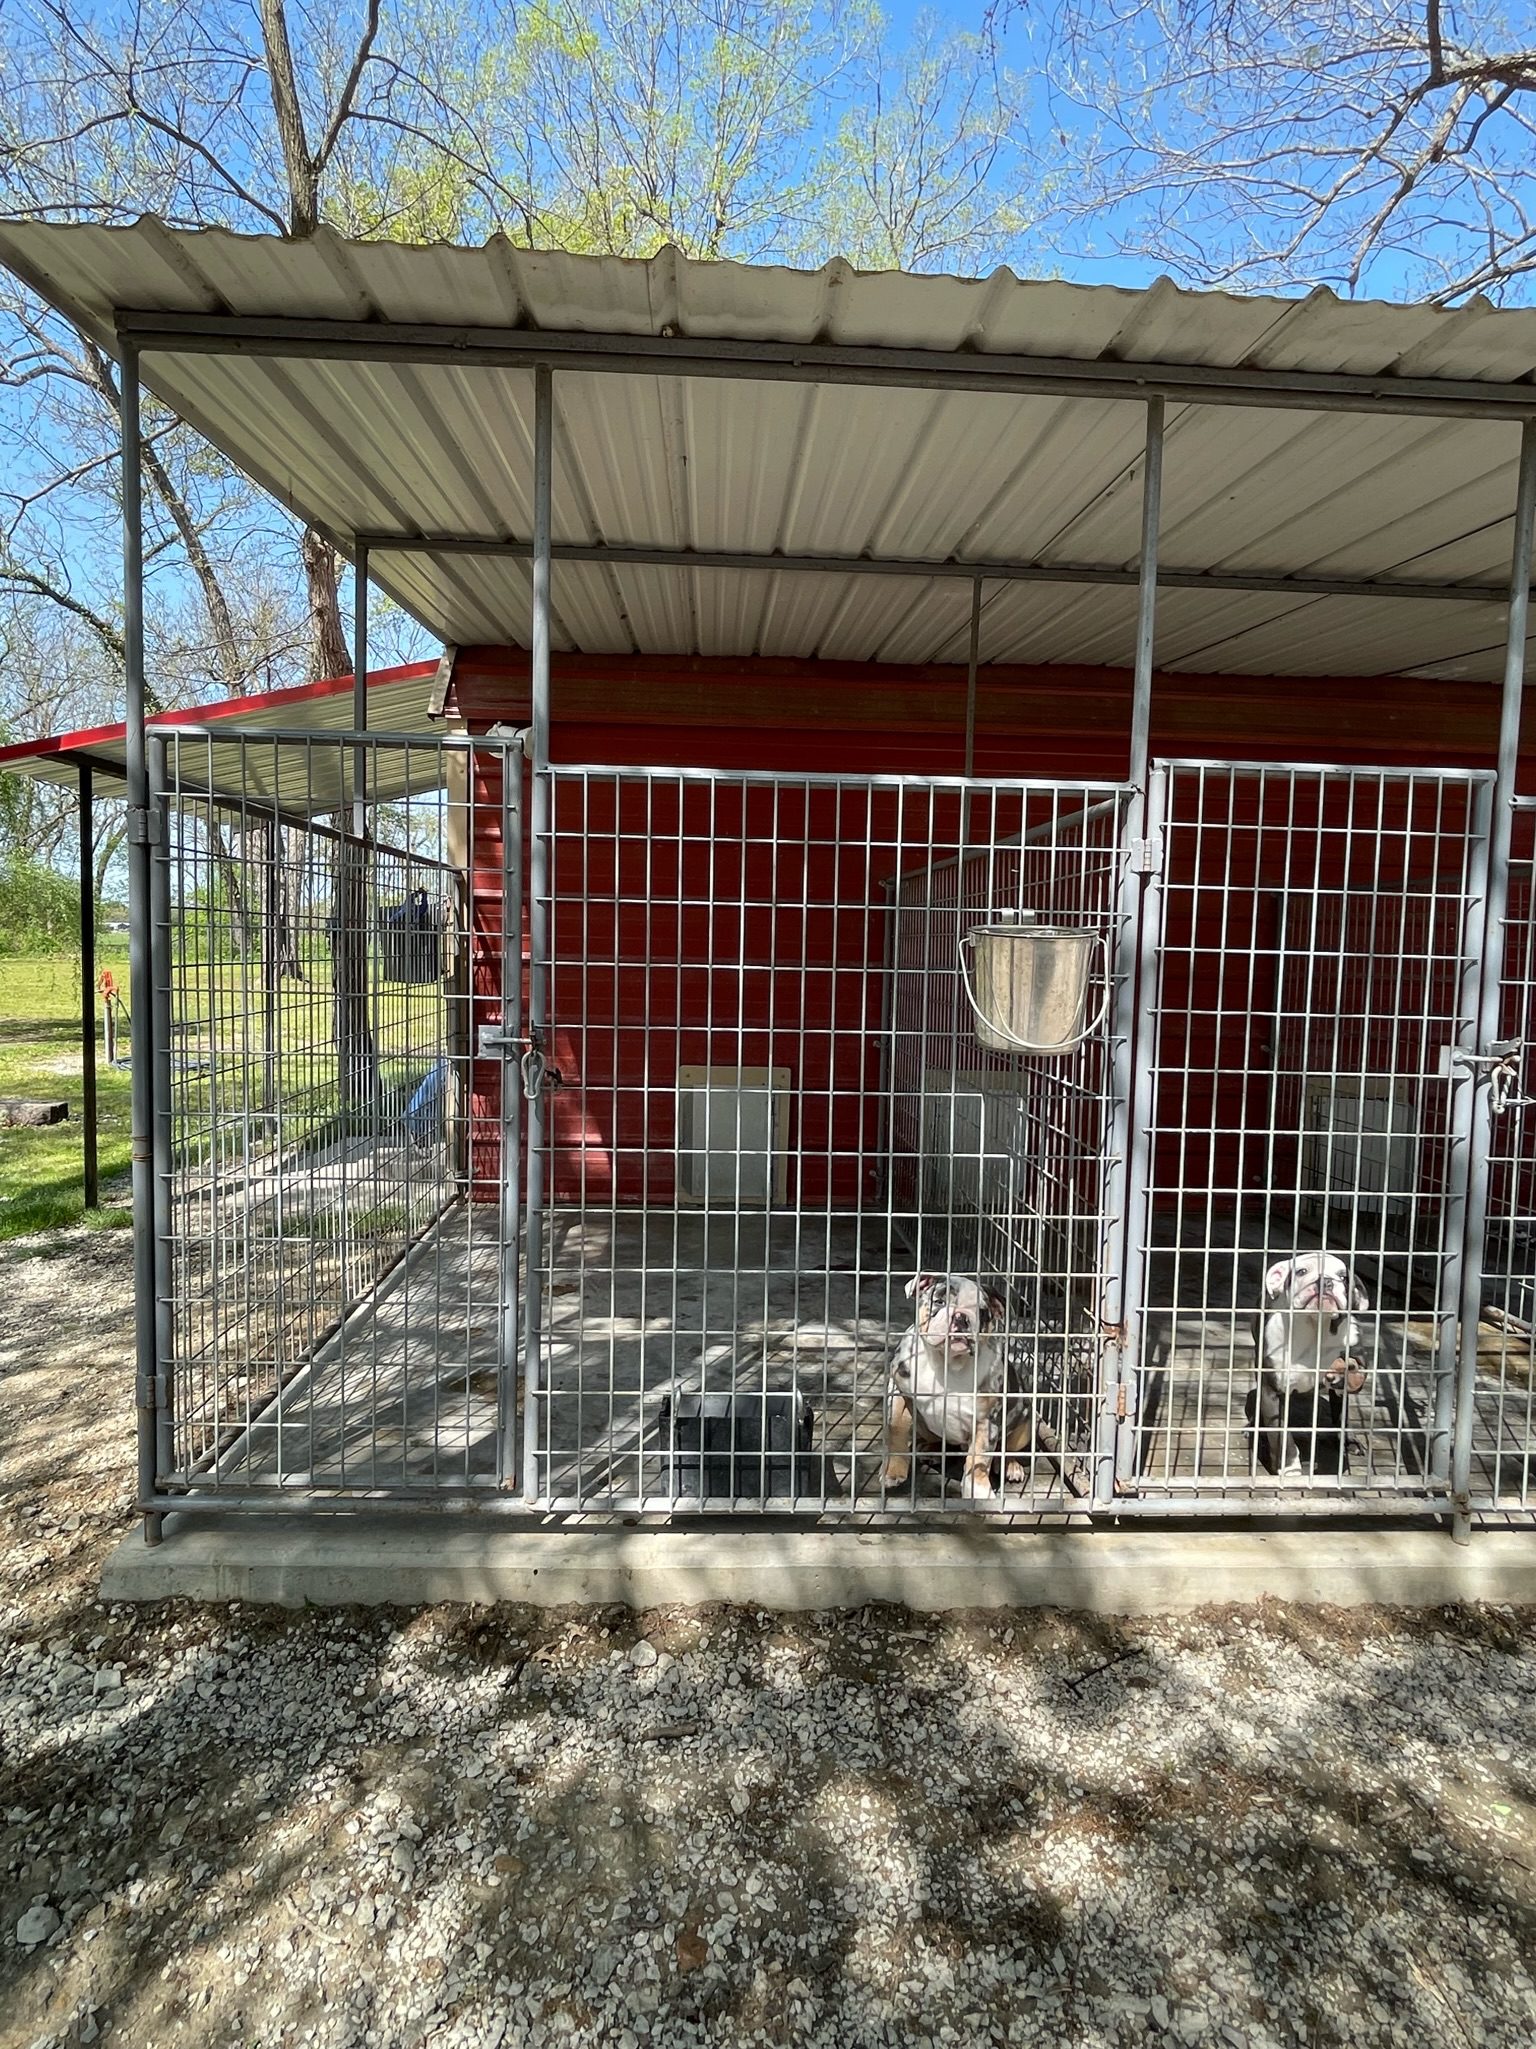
(18, 752)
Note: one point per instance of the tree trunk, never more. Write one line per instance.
(237, 903)
(328, 657)
(328, 644)
(302, 171)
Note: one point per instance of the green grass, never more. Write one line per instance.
(42, 1173)
(219, 1005)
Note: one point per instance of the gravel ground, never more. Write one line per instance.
(471, 1828)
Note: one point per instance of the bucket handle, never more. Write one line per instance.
(1024, 1045)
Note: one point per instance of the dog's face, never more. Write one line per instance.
(955, 1311)
(1316, 1281)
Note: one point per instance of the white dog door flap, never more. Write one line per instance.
(1359, 1145)
(733, 1136)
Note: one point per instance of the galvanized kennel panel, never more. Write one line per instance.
(1503, 1439)
(333, 1312)
(1318, 937)
(770, 1109)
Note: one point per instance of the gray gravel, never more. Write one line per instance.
(468, 1828)
(462, 1828)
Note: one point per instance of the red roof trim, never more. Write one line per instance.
(226, 708)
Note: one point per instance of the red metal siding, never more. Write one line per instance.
(614, 1127)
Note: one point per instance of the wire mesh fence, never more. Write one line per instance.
(1504, 1435)
(773, 1112)
(313, 949)
(817, 1234)
(1318, 959)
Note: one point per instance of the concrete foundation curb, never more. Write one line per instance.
(329, 1561)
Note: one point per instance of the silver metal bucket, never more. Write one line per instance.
(1028, 984)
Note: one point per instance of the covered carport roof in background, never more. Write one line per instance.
(300, 781)
(760, 461)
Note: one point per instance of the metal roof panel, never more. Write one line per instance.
(649, 459)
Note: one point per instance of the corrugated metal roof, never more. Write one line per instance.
(657, 460)
(308, 780)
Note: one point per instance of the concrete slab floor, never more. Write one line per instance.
(411, 1561)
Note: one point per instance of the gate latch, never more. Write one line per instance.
(1500, 1068)
(538, 1075)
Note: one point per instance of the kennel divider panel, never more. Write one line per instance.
(1319, 935)
(335, 1302)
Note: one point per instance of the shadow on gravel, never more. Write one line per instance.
(718, 1827)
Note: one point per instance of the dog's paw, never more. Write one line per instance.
(895, 1473)
(976, 1486)
(1015, 1474)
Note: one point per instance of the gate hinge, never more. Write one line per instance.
(143, 826)
(1145, 856)
(1120, 1403)
(153, 1391)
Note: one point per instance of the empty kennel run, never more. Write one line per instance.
(331, 1309)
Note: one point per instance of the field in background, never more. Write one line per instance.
(42, 1173)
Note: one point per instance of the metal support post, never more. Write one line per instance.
(1138, 910)
(360, 638)
(88, 989)
(356, 1050)
(272, 921)
(538, 925)
(150, 1385)
(1146, 594)
(511, 1110)
(970, 713)
(161, 1153)
(970, 681)
(1490, 992)
(365, 993)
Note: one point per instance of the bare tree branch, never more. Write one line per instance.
(347, 97)
(1357, 143)
(20, 575)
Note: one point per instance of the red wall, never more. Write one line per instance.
(1311, 929)
(621, 1034)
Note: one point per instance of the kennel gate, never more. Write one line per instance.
(1503, 1446)
(1313, 944)
(337, 1248)
(768, 1109)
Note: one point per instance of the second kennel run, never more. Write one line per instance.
(776, 1109)
(1313, 952)
(768, 1108)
